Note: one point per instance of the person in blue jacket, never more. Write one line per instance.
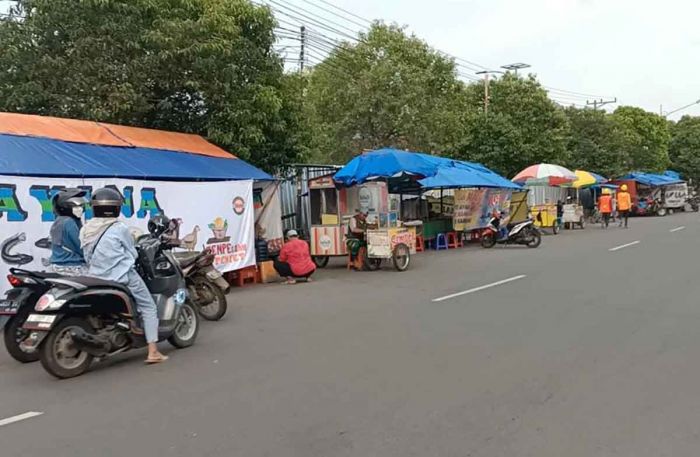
(66, 254)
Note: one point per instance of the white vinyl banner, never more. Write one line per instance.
(217, 216)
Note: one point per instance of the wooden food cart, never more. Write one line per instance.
(396, 243)
(328, 230)
(545, 216)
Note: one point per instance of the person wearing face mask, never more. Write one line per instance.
(66, 254)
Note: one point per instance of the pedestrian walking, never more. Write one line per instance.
(624, 204)
(605, 207)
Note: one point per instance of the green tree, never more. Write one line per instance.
(522, 126)
(684, 148)
(387, 90)
(592, 143)
(641, 138)
(199, 66)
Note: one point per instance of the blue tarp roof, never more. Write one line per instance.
(29, 156)
(652, 179)
(432, 172)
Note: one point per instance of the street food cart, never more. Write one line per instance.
(573, 216)
(327, 234)
(331, 210)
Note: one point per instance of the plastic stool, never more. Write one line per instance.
(454, 240)
(420, 243)
(441, 242)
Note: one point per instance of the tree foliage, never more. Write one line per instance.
(204, 66)
(641, 138)
(592, 143)
(522, 126)
(388, 90)
(684, 149)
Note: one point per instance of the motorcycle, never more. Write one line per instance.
(205, 284)
(27, 288)
(522, 233)
(82, 318)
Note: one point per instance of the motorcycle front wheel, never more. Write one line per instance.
(58, 354)
(187, 328)
(535, 239)
(214, 305)
(488, 240)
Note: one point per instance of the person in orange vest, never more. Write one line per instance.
(624, 204)
(605, 207)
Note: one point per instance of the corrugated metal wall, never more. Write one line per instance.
(294, 194)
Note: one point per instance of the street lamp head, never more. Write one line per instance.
(516, 66)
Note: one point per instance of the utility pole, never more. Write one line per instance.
(486, 74)
(302, 51)
(600, 103)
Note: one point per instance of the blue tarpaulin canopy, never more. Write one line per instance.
(431, 172)
(29, 156)
(652, 179)
(45, 146)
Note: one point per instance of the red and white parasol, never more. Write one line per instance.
(545, 174)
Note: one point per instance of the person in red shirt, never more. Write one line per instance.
(294, 261)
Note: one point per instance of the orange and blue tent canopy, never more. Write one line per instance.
(48, 146)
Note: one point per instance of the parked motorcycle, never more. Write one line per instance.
(522, 233)
(205, 284)
(80, 319)
(27, 288)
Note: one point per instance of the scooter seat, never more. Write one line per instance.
(186, 258)
(89, 281)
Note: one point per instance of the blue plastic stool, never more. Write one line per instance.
(441, 242)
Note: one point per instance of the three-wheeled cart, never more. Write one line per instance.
(573, 216)
(396, 244)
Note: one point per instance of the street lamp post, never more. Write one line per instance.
(486, 74)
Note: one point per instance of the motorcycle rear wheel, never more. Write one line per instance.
(215, 309)
(535, 239)
(57, 354)
(13, 334)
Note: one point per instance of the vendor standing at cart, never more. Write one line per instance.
(357, 230)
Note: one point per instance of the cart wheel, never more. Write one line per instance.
(321, 261)
(370, 264)
(670, 211)
(401, 257)
(661, 212)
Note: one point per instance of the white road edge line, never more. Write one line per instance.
(677, 229)
(19, 417)
(480, 288)
(623, 246)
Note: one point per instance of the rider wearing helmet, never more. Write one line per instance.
(111, 255)
(624, 204)
(66, 254)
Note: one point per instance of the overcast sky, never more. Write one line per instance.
(644, 52)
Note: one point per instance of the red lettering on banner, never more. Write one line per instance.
(228, 253)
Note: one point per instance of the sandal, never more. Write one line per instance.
(154, 360)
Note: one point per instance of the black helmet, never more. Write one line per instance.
(106, 202)
(158, 225)
(67, 200)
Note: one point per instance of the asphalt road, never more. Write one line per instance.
(577, 349)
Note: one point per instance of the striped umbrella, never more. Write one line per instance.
(545, 174)
(587, 179)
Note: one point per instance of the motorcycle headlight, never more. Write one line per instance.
(48, 302)
(180, 297)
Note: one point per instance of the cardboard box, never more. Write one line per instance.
(267, 273)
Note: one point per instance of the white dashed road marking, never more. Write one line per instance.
(480, 288)
(19, 417)
(623, 246)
